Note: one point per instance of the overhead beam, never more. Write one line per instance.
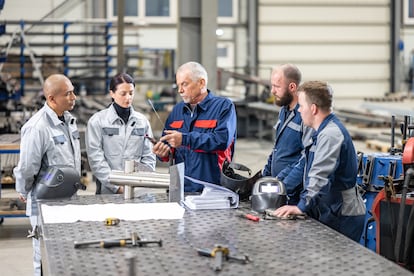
(197, 40)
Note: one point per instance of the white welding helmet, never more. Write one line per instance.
(268, 193)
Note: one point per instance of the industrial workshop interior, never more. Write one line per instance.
(153, 225)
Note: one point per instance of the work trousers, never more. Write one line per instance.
(37, 258)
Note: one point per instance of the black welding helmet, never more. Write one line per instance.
(268, 193)
(236, 182)
(58, 182)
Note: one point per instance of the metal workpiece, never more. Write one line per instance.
(274, 247)
(140, 179)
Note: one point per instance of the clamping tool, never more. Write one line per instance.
(220, 253)
(368, 170)
(134, 240)
(388, 185)
(112, 221)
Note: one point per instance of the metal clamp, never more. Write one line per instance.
(134, 240)
(220, 253)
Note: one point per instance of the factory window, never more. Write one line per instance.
(227, 11)
(164, 11)
(409, 12)
(145, 11)
(225, 8)
(222, 52)
(157, 8)
(131, 7)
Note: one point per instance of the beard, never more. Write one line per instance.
(285, 100)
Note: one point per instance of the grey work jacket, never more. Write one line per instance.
(110, 142)
(45, 141)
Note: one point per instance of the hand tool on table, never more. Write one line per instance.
(134, 240)
(220, 253)
(112, 221)
(248, 216)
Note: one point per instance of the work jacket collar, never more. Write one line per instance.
(113, 116)
(69, 119)
(204, 103)
(294, 110)
(324, 123)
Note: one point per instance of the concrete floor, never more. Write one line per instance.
(16, 249)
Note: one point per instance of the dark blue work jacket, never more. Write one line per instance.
(209, 136)
(287, 151)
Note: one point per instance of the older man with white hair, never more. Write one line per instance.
(200, 131)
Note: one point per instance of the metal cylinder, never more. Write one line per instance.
(128, 192)
(130, 262)
(140, 179)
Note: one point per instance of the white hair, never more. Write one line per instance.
(197, 71)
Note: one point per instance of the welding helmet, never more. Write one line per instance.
(236, 182)
(58, 182)
(268, 193)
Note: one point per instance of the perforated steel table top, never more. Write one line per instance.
(275, 247)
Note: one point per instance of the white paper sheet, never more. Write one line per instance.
(99, 212)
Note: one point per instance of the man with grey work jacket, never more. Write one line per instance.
(49, 138)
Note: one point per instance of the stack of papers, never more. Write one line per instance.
(212, 197)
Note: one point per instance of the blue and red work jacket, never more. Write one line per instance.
(209, 136)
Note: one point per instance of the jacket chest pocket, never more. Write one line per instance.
(112, 143)
(60, 152)
(76, 135)
(135, 143)
(137, 132)
(205, 124)
(110, 136)
(59, 139)
(110, 131)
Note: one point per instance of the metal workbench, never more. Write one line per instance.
(276, 247)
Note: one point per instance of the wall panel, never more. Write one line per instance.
(346, 43)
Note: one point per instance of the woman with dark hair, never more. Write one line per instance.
(117, 134)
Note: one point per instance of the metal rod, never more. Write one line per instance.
(404, 132)
(120, 29)
(92, 21)
(398, 242)
(130, 260)
(156, 113)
